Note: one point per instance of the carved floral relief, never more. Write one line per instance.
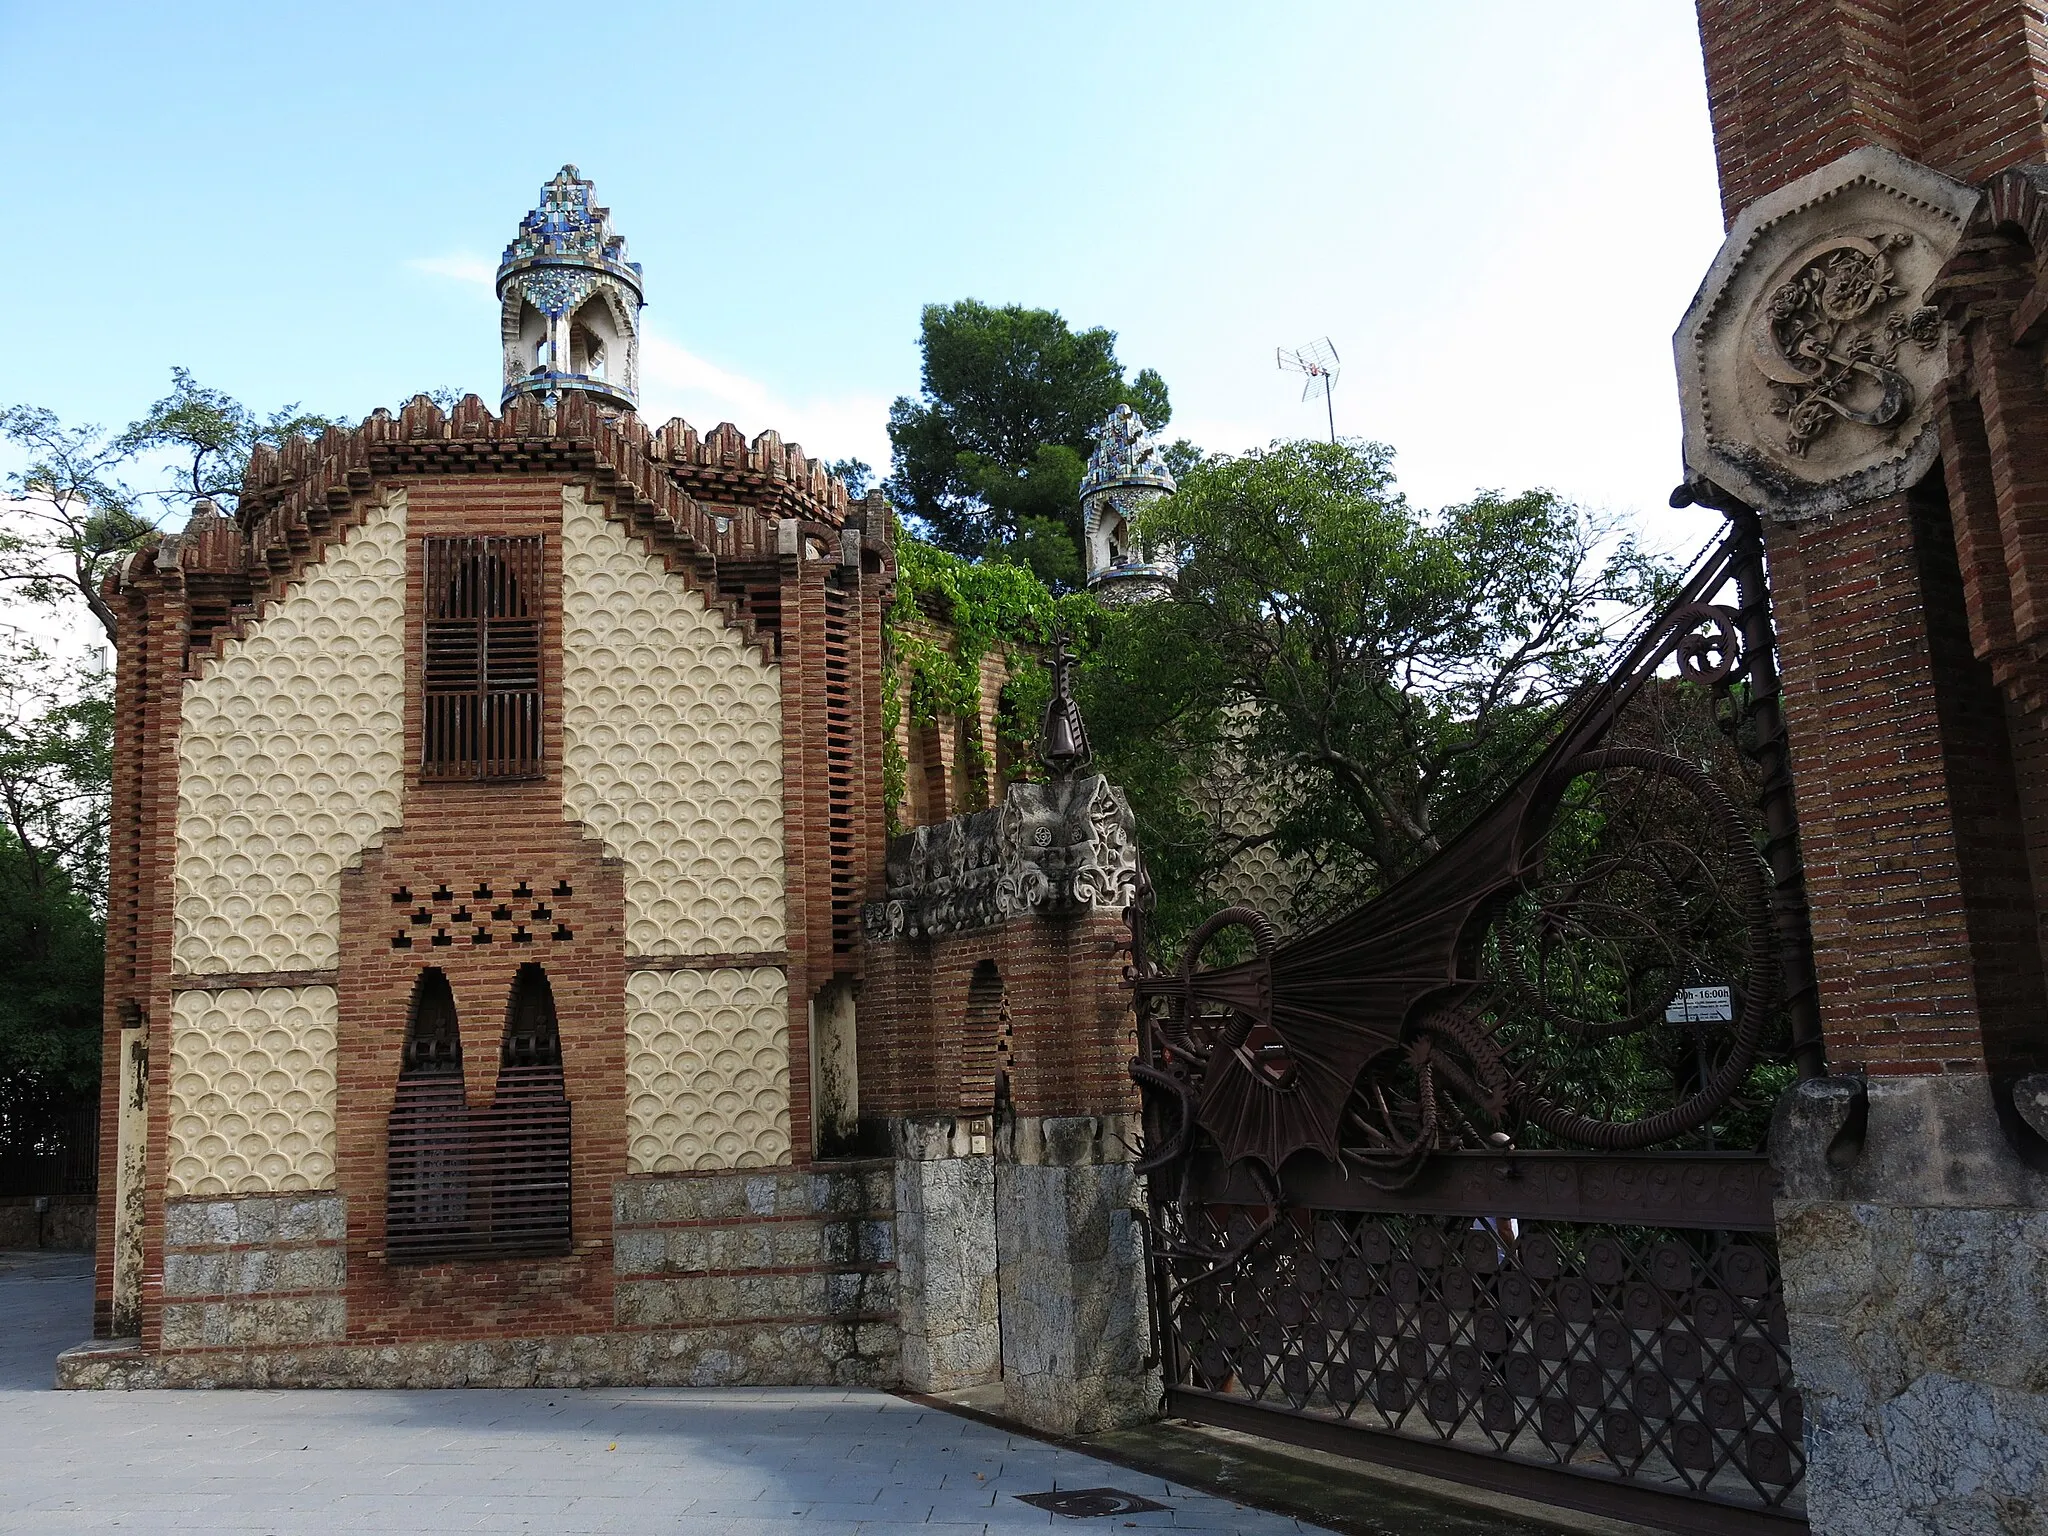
(1808, 360)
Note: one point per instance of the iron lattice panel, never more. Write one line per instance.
(1656, 1357)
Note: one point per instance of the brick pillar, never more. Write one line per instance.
(1793, 84)
(1906, 572)
(1905, 787)
(141, 844)
(1019, 1248)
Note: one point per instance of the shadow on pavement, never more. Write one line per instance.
(49, 1308)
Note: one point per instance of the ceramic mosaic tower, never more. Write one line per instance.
(1124, 473)
(570, 301)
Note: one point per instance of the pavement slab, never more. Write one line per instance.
(654, 1461)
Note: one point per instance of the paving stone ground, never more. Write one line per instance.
(732, 1462)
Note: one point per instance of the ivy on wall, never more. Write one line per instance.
(989, 608)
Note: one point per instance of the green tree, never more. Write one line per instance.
(73, 517)
(55, 769)
(855, 474)
(207, 436)
(989, 458)
(1366, 671)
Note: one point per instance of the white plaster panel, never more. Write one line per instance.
(707, 1070)
(671, 745)
(291, 761)
(252, 1091)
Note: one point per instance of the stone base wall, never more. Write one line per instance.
(1076, 1325)
(782, 1277)
(946, 1240)
(1916, 1289)
(983, 1252)
(254, 1271)
(67, 1224)
(722, 1356)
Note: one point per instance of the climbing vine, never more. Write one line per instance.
(990, 607)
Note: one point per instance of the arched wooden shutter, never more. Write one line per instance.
(521, 1144)
(482, 686)
(427, 1213)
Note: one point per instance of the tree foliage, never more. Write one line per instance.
(208, 436)
(74, 516)
(55, 769)
(989, 607)
(71, 518)
(990, 456)
(1366, 672)
(855, 474)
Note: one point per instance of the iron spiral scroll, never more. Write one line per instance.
(1592, 906)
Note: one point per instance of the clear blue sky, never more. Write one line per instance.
(1497, 210)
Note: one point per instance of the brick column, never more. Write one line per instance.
(1906, 592)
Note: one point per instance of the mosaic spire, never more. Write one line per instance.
(1125, 472)
(570, 301)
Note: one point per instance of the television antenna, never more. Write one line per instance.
(1317, 363)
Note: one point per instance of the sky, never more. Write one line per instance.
(1497, 212)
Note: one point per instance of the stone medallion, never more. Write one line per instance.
(1807, 360)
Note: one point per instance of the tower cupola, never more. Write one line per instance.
(570, 301)
(1125, 472)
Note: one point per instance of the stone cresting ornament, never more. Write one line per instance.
(1063, 735)
(1048, 850)
(1808, 359)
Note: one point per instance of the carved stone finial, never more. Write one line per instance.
(1063, 738)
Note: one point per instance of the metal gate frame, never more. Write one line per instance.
(1341, 1220)
(1706, 1331)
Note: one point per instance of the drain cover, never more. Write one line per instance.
(1080, 1503)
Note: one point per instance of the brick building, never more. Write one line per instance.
(497, 796)
(1864, 366)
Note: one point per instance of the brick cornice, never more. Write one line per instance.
(705, 503)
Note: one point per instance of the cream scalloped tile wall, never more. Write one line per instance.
(252, 1090)
(671, 745)
(291, 761)
(707, 1070)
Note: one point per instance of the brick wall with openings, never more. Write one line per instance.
(1069, 1033)
(509, 841)
(502, 880)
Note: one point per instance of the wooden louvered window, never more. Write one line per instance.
(485, 1182)
(482, 692)
(523, 1140)
(427, 1213)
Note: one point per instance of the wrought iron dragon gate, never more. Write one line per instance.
(1391, 1214)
